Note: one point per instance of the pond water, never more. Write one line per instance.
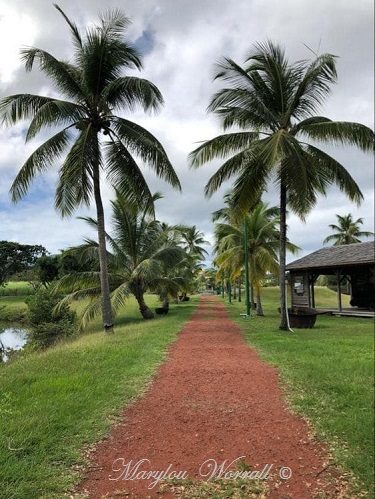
(11, 338)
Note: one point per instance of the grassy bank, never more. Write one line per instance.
(16, 288)
(55, 403)
(328, 372)
(13, 307)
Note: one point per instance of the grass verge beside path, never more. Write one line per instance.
(328, 372)
(55, 403)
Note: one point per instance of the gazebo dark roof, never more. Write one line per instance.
(337, 256)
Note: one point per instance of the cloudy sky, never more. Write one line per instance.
(181, 40)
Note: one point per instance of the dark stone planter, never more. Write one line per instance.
(162, 310)
(302, 318)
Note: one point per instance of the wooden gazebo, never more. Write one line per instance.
(356, 262)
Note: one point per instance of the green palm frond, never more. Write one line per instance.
(79, 284)
(336, 173)
(148, 268)
(90, 312)
(124, 173)
(105, 52)
(76, 36)
(169, 285)
(63, 75)
(299, 175)
(273, 79)
(338, 133)
(249, 186)
(91, 222)
(315, 81)
(246, 102)
(144, 145)
(55, 113)
(242, 163)
(75, 186)
(169, 255)
(113, 22)
(243, 118)
(18, 107)
(129, 92)
(119, 296)
(38, 162)
(229, 70)
(221, 147)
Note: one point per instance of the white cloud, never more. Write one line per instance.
(188, 37)
(16, 29)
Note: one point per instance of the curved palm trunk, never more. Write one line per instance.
(165, 302)
(146, 312)
(283, 304)
(104, 282)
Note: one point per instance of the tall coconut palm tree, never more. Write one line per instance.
(347, 231)
(87, 136)
(273, 105)
(192, 240)
(140, 260)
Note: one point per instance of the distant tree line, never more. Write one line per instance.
(16, 258)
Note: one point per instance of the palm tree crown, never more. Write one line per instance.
(192, 240)
(261, 237)
(347, 231)
(87, 134)
(273, 105)
(140, 260)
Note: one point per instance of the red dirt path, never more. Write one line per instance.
(212, 399)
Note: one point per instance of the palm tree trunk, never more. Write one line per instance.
(165, 300)
(259, 304)
(229, 288)
(283, 304)
(252, 300)
(252, 277)
(146, 312)
(107, 314)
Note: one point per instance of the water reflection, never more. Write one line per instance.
(11, 338)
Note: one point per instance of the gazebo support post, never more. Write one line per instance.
(312, 292)
(339, 290)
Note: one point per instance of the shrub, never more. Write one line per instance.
(49, 324)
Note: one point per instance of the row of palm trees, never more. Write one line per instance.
(254, 241)
(258, 235)
(271, 104)
(144, 255)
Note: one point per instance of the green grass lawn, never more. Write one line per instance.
(12, 301)
(328, 373)
(16, 288)
(13, 309)
(53, 404)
